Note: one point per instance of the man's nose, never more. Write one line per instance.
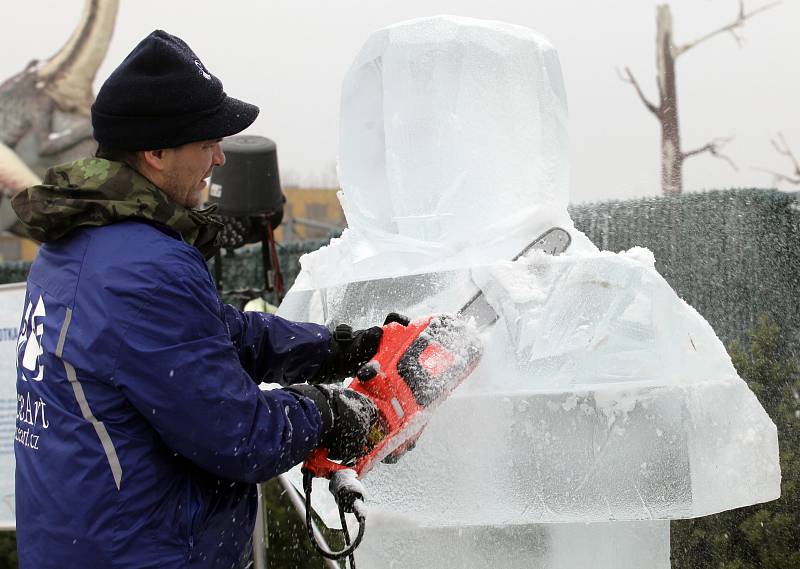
(219, 155)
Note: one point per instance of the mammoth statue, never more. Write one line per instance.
(44, 109)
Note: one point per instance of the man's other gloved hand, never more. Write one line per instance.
(347, 419)
(349, 350)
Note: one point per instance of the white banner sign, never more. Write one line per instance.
(12, 298)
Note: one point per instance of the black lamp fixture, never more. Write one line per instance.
(248, 192)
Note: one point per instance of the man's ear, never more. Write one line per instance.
(154, 159)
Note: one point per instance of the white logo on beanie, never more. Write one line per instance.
(202, 69)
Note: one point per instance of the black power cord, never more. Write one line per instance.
(344, 508)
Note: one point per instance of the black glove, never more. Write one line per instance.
(349, 350)
(396, 317)
(348, 419)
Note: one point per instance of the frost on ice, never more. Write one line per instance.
(602, 396)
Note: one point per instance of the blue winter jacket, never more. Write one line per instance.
(141, 429)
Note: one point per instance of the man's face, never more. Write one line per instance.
(186, 169)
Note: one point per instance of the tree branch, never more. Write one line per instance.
(778, 177)
(782, 147)
(732, 28)
(629, 78)
(713, 148)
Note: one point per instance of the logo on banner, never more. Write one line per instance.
(29, 344)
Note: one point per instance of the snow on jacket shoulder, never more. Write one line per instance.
(141, 429)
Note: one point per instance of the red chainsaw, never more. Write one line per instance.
(417, 365)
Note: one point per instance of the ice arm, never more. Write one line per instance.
(274, 349)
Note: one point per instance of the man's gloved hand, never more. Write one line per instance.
(347, 419)
(349, 350)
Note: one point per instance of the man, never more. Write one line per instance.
(141, 429)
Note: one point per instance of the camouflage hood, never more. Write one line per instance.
(95, 192)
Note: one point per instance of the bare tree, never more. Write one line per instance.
(783, 148)
(666, 111)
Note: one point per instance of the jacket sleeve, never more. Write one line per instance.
(274, 349)
(178, 367)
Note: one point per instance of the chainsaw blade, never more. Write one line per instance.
(554, 241)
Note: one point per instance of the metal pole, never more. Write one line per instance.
(300, 508)
(259, 534)
(288, 225)
(266, 257)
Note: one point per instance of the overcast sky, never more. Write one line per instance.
(290, 56)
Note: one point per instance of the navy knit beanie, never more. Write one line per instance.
(162, 96)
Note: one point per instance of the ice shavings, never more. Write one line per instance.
(642, 255)
(616, 405)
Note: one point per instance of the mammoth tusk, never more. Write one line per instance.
(68, 75)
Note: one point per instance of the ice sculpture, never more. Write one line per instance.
(602, 397)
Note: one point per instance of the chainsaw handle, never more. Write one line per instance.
(397, 317)
(320, 466)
